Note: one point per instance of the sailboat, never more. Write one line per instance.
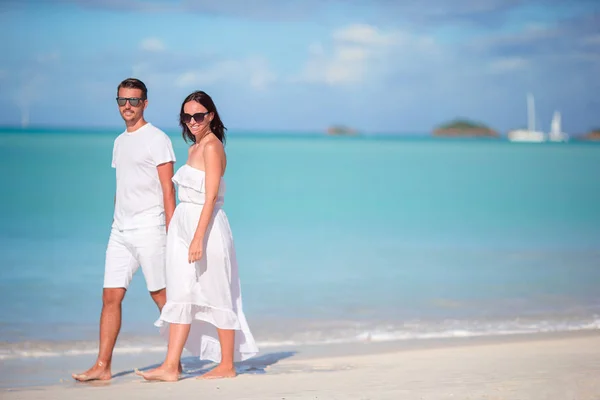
(555, 134)
(529, 134)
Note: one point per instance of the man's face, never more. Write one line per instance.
(129, 112)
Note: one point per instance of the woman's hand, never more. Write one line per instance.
(195, 251)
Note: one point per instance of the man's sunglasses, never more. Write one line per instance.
(134, 101)
(198, 117)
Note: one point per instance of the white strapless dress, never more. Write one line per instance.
(207, 293)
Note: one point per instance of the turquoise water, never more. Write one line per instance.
(338, 239)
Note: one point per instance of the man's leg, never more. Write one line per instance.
(110, 325)
(160, 298)
(119, 270)
(150, 246)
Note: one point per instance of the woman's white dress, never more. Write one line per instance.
(207, 293)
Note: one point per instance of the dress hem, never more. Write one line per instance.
(187, 313)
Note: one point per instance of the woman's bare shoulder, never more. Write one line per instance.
(214, 145)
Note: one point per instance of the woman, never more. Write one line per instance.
(203, 312)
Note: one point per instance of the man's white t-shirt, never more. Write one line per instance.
(139, 198)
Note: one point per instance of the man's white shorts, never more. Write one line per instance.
(129, 249)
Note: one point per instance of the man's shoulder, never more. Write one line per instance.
(155, 132)
(119, 137)
(152, 129)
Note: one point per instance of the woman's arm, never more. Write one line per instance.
(213, 167)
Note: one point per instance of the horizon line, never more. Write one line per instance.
(264, 132)
(230, 130)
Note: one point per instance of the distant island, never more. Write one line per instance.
(594, 134)
(464, 128)
(341, 130)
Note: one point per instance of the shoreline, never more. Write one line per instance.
(309, 334)
(293, 360)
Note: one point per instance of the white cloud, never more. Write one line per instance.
(357, 52)
(152, 44)
(183, 71)
(508, 64)
(261, 76)
(345, 65)
(365, 35)
(254, 72)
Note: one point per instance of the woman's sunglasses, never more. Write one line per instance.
(198, 117)
(134, 101)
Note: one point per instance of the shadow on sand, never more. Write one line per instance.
(193, 367)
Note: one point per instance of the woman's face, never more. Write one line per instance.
(196, 117)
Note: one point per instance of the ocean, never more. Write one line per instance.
(339, 240)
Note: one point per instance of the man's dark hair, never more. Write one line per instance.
(133, 83)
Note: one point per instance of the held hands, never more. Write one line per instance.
(195, 251)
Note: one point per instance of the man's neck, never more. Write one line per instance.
(137, 125)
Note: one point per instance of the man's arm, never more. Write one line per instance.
(165, 173)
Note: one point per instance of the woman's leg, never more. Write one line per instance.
(169, 370)
(225, 369)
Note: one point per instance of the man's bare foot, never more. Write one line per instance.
(99, 372)
(159, 374)
(219, 372)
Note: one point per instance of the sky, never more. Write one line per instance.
(380, 66)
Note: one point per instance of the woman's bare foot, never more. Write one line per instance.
(220, 371)
(161, 373)
(99, 372)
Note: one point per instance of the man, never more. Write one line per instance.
(144, 204)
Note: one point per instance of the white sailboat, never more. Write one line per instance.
(24, 115)
(556, 134)
(529, 134)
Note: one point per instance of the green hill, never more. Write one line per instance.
(464, 127)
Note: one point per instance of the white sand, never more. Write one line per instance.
(544, 368)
